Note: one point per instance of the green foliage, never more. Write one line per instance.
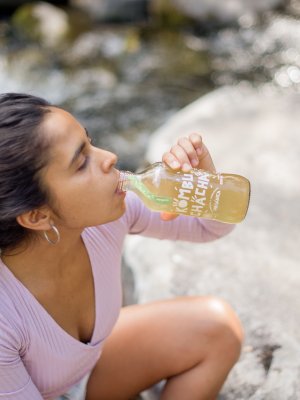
(26, 23)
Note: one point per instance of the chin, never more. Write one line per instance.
(114, 217)
(121, 211)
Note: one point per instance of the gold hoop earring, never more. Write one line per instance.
(53, 227)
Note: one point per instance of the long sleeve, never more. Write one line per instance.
(15, 383)
(148, 223)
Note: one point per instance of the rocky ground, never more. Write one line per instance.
(253, 132)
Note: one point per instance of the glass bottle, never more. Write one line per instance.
(199, 193)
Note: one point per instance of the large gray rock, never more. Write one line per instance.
(224, 10)
(256, 268)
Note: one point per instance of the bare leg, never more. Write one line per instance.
(192, 342)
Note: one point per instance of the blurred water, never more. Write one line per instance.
(124, 81)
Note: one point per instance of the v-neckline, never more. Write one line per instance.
(48, 315)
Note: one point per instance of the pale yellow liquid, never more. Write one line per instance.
(223, 197)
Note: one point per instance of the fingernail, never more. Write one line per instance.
(195, 162)
(186, 167)
(175, 164)
(199, 151)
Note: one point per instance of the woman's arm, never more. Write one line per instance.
(142, 221)
(15, 382)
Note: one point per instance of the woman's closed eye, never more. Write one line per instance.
(86, 160)
(85, 163)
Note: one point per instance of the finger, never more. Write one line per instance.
(205, 160)
(181, 156)
(171, 161)
(196, 141)
(190, 150)
(167, 216)
(204, 157)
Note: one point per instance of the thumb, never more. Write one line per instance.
(167, 216)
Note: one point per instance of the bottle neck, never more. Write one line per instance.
(124, 181)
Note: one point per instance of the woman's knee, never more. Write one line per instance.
(220, 324)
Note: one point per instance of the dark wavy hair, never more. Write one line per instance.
(23, 152)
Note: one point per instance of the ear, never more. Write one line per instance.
(37, 219)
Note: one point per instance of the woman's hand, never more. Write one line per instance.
(189, 152)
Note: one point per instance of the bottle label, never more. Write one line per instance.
(195, 195)
(214, 200)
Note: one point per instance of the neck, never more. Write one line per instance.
(42, 258)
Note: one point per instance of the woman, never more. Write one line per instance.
(62, 226)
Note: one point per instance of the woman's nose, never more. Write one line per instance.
(108, 160)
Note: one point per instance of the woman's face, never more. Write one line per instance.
(80, 177)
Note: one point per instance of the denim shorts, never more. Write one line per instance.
(76, 392)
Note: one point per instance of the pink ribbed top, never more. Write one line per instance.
(38, 359)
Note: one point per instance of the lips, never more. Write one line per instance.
(119, 185)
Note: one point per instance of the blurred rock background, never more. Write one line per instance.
(140, 73)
